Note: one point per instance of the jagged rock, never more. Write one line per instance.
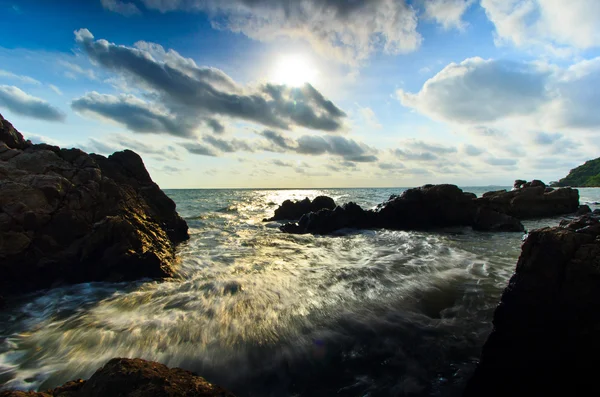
(546, 327)
(532, 200)
(66, 216)
(292, 210)
(122, 377)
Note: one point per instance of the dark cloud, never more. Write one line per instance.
(200, 149)
(228, 146)
(391, 166)
(19, 102)
(543, 138)
(280, 142)
(280, 163)
(416, 156)
(134, 113)
(216, 126)
(471, 150)
(196, 94)
(348, 149)
(120, 7)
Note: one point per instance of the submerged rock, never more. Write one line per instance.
(123, 377)
(68, 216)
(292, 210)
(532, 200)
(546, 327)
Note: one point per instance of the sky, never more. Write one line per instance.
(310, 93)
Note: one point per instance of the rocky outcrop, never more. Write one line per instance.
(427, 207)
(532, 200)
(546, 328)
(122, 377)
(67, 216)
(435, 206)
(293, 210)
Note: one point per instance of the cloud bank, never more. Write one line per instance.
(193, 95)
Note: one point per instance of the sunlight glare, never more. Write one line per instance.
(294, 70)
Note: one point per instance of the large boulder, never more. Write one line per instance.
(66, 216)
(532, 200)
(294, 210)
(547, 328)
(122, 377)
(427, 207)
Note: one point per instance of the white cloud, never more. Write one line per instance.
(73, 70)
(447, 13)
(546, 23)
(483, 93)
(369, 117)
(348, 31)
(23, 79)
(55, 89)
(478, 90)
(19, 102)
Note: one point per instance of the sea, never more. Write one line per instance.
(263, 313)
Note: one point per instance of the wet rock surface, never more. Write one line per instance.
(546, 328)
(122, 377)
(67, 216)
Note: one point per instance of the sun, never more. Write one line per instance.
(294, 70)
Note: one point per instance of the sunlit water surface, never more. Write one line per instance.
(362, 313)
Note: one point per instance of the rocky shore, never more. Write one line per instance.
(122, 377)
(434, 206)
(546, 327)
(67, 217)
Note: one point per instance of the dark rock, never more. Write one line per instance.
(123, 377)
(532, 200)
(427, 207)
(491, 221)
(583, 209)
(546, 327)
(326, 221)
(66, 216)
(519, 183)
(11, 137)
(292, 210)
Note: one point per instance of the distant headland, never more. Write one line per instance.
(586, 175)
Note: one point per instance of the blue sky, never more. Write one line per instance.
(310, 93)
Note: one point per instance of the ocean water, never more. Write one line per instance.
(361, 313)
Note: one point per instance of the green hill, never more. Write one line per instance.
(586, 175)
